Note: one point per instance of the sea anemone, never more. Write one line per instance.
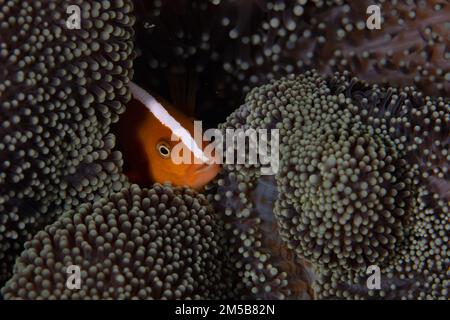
(410, 48)
(352, 191)
(420, 270)
(339, 179)
(264, 266)
(60, 90)
(363, 175)
(158, 243)
(217, 51)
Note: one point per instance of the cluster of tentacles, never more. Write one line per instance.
(363, 181)
(60, 90)
(363, 175)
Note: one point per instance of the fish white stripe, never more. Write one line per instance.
(167, 120)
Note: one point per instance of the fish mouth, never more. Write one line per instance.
(204, 167)
(201, 174)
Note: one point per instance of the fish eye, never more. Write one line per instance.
(163, 150)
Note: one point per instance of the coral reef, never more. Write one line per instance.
(160, 243)
(352, 189)
(60, 90)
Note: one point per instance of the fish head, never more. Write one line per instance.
(170, 159)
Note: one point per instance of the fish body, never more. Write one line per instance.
(145, 132)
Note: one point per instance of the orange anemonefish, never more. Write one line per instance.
(145, 131)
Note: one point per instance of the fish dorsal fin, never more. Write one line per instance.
(183, 91)
(167, 120)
